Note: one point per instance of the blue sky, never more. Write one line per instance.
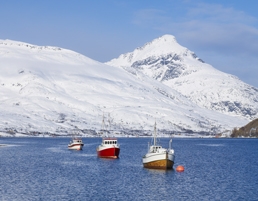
(222, 33)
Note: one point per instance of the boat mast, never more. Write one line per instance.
(170, 142)
(103, 126)
(154, 138)
(109, 122)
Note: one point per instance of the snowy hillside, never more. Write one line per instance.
(58, 91)
(165, 60)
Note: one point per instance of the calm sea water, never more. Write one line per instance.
(44, 169)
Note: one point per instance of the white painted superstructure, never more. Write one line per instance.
(76, 144)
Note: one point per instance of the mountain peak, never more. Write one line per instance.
(161, 46)
(166, 38)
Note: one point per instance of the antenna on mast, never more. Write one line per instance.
(155, 133)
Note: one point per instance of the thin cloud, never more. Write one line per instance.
(237, 38)
(208, 26)
(219, 14)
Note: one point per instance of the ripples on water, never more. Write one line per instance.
(44, 169)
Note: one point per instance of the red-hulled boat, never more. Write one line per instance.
(109, 148)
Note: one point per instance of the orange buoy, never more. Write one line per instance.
(180, 168)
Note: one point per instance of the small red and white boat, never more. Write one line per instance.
(76, 144)
(109, 148)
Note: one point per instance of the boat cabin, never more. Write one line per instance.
(110, 141)
(76, 140)
(155, 149)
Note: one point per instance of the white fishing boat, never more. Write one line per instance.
(76, 144)
(157, 156)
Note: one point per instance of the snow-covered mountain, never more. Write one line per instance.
(54, 90)
(165, 60)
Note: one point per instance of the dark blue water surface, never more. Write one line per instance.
(44, 169)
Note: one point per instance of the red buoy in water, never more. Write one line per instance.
(180, 168)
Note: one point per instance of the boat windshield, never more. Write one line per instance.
(110, 142)
(155, 148)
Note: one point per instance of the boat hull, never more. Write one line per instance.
(75, 147)
(111, 152)
(160, 164)
(158, 161)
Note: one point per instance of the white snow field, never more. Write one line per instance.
(50, 90)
